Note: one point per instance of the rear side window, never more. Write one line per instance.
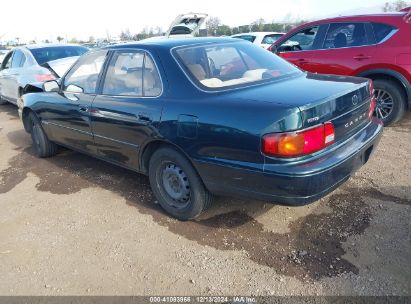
(18, 59)
(382, 31)
(342, 35)
(132, 74)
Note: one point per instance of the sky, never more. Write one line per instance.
(47, 19)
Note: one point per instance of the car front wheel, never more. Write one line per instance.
(390, 107)
(176, 185)
(43, 147)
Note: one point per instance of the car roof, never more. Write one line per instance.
(357, 17)
(260, 33)
(173, 42)
(46, 45)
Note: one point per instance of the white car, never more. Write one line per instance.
(184, 26)
(263, 39)
(3, 54)
(37, 63)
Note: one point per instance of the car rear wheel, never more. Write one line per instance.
(176, 185)
(2, 101)
(390, 106)
(43, 147)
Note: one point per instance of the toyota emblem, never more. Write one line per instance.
(354, 100)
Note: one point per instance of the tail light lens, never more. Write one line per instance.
(373, 103)
(44, 77)
(294, 144)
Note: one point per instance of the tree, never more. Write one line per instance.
(224, 30)
(258, 25)
(59, 39)
(125, 35)
(212, 25)
(394, 6)
(73, 40)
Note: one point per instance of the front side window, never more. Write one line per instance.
(83, 77)
(231, 65)
(302, 41)
(132, 74)
(342, 35)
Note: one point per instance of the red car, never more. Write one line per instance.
(372, 46)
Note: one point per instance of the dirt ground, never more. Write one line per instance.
(73, 225)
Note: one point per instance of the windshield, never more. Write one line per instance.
(232, 65)
(46, 54)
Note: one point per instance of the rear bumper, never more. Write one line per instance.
(295, 183)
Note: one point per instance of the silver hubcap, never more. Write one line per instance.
(176, 185)
(385, 104)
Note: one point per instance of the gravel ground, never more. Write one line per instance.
(73, 225)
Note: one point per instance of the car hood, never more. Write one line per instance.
(186, 25)
(60, 66)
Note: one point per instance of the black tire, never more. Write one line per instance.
(43, 147)
(2, 101)
(171, 172)
(398, 101)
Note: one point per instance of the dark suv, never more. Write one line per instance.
(372, 46)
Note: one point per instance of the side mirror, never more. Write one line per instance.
(274, 49)
(51, 86)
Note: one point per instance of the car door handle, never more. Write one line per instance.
(144, 118)
(361, 57)
(301, 61)
(82, 108)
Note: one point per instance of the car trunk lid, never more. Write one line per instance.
(186, 25)
(344, 101)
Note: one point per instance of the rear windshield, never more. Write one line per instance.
(230, 65)
(270, 39)
(46, 54)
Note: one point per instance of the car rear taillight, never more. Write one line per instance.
(44, 77)
(299, 143)
(373, 103)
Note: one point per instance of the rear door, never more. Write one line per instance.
(4, 75)
(68, 117)
(11, 69)
(127, 111)
(301, 48)
(347, 47)
(16, 70)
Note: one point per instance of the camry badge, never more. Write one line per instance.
(354, 100)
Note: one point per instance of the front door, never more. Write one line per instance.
(127, 111)
(300, 49)
(69, 120)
